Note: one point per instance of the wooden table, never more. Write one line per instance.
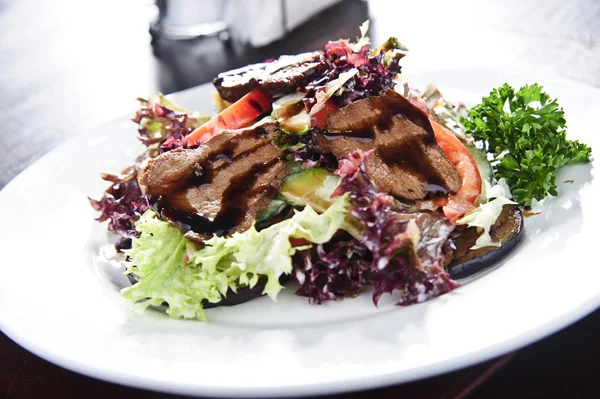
(67, 67)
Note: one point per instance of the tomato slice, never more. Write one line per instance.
(238, 115)
(456, 205)
(320, 118)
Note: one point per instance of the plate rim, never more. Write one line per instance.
(363, 382)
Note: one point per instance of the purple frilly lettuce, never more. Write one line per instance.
(395, 251)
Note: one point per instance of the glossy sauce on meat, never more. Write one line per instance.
(407, 161)
(280, 76)
(219, 187)
(234, 205)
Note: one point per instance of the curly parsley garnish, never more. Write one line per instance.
(524, 131)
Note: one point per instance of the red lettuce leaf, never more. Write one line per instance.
(396, 250)
(163, 125)
(332, 270)
(121, 205)
(311, 156)
(373, 77)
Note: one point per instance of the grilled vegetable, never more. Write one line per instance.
(507, 231)
(290, 113)
(302, 188)
(314, 187)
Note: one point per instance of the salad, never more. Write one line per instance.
(328, 174)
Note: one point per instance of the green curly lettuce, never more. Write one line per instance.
(170, 269)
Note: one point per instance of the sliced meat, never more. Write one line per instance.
(223, 208)
(219, 187)
(174, 169)
(280, 76)
(407, 161)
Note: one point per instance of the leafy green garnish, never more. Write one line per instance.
(170, 269)
(524, 131)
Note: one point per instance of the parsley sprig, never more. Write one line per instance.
(525, 132)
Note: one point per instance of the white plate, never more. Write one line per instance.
(60, 300)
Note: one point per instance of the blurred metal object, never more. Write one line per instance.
(190, 19)
(262, 22)
(187, 63)
(257, 23)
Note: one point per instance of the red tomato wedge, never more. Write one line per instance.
(320, 118)
(238, 115)
(456, 205)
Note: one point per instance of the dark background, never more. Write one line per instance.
(67, 67)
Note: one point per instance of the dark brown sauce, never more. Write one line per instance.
(234, 206)
(408, 156)
(397, 108)
(384, 122)
(435, 189)
(229, 148)
(202, 175)
(291, 110)
(186, 220)
(400, 106)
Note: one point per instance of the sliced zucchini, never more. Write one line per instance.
(314, 187)
(265, 218)
(302, 188)
(291, 114)
(286, 101)
(297, 124)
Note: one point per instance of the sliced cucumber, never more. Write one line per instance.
(485, 168)
(314, 187)
(291, 114)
